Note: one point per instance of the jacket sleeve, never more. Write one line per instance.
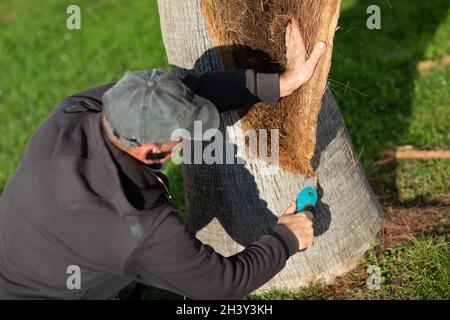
(235, 89)
(171, 258)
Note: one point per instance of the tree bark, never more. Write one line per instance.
(229, 206)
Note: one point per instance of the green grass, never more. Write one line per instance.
(41, 61)
(176, 186)
(422, 180)
(389, 103)
(419, 270)
(393, 104)
(385, 101)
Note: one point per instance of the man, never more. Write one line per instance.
(87, 212)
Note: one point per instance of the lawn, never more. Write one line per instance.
(386, 100)
(41, 61)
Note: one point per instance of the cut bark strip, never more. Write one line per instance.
(428, 65)
(425, 65)
(408, 152)
(251, 34)
(416, 154)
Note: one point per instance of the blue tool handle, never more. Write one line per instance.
(307, 198)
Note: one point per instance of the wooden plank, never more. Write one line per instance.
(424, 155)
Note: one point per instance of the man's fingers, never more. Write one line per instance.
(288, 34)
(309, 215)
(314, 58)
(296, 30)
(305, 244)
(291, 209)
(298, 39)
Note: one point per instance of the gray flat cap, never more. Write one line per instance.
(148, 106)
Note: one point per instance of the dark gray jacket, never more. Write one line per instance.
(75, 198)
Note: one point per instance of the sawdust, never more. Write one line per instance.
(402, 223)
(251, 34)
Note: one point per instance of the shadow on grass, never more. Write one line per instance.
(373, 71)
(373, 75)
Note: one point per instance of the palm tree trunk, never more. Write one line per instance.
(229, 206)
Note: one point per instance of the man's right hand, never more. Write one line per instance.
(301, 225)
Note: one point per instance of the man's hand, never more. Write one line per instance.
(299, 224)
(300, 68)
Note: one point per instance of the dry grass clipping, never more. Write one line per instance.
(251, 34)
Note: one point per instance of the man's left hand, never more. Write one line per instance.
(300, 67)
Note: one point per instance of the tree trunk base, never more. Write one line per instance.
(230, 206)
